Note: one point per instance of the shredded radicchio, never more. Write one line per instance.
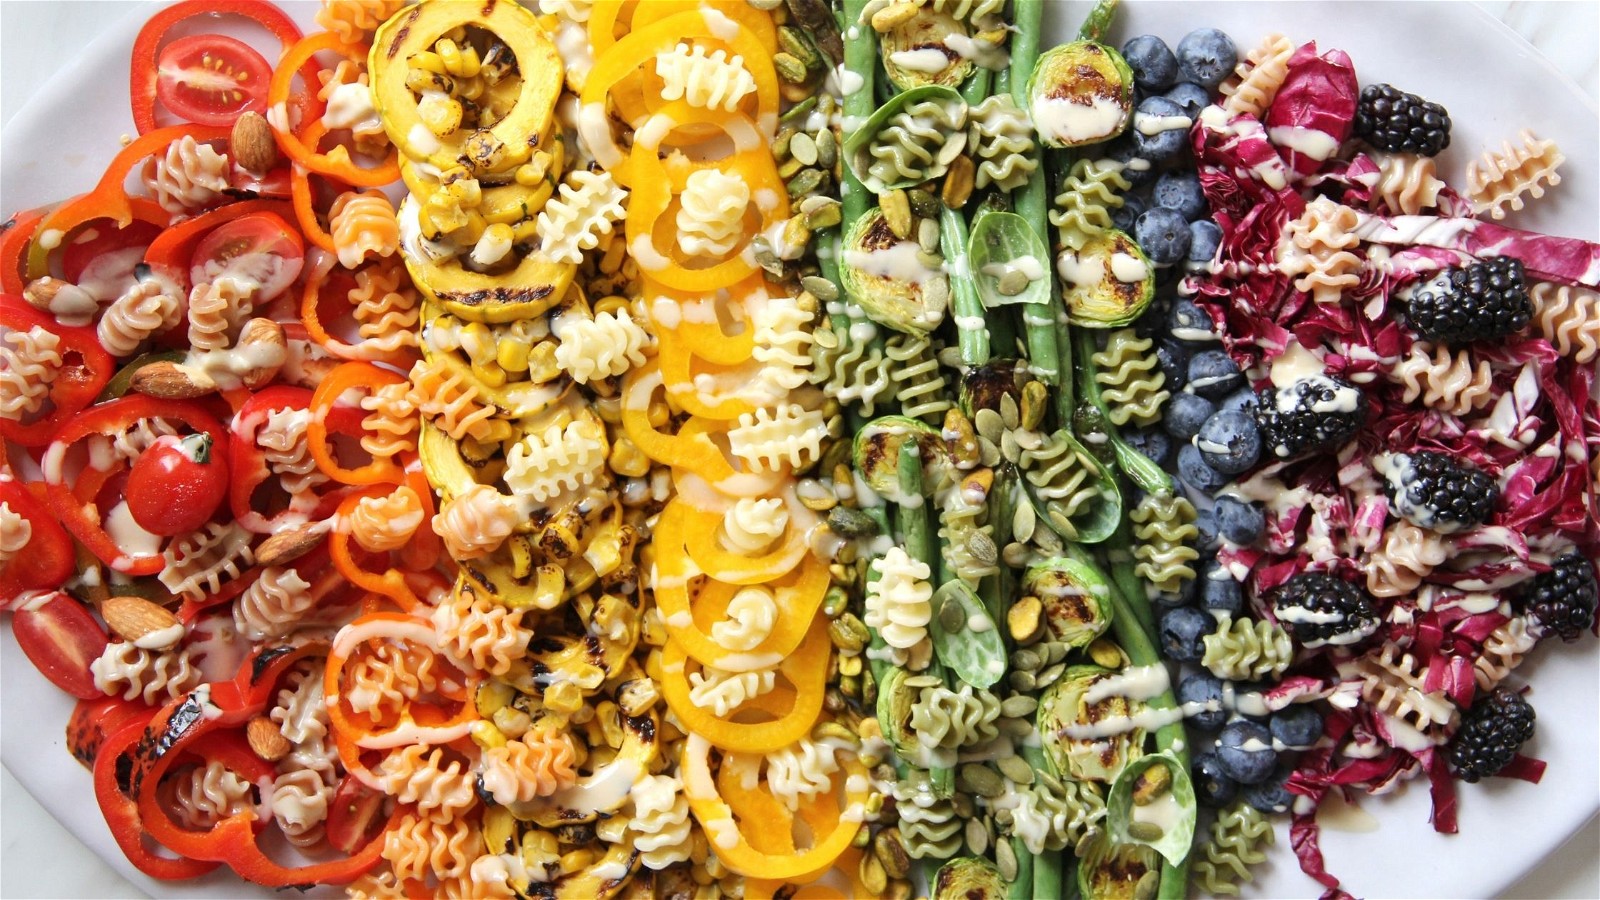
(1535, 429)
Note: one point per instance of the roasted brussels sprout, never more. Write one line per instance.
(1077, 602)
(1084, 740)
(1108, 871)
(893, 280)
(968, 878)
(877, 455)
(1108, 283)
(1080, 93)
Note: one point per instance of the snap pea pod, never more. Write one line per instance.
(971, 328)
(1046, 354)
(1171, 737)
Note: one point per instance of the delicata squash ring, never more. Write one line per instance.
(415, 30)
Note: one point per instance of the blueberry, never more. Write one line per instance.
(1164, 603)
(1297, 726)
(1213, 786)
(1219, 593)
(1181, 191)
(1272, 794)
(1182, 632)
(1137, 168)
(1205, 689)
(1186, 413)
(1205, 236)
(1123, 217)
(1205, 520)
(1195, 473)
(1189, 323)
(1154, 67)
(1152, 443)
(1192, 97)
(1242, 400)
(1163, 235)
(1229, 442)
(1174, 360)
(1168, 127)
(1245, 749)
(1206, 56)
(1213, 374)
(1240, 521)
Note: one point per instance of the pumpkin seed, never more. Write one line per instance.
(917, 682)
(1149, 885)
(803, 148)
(1023, 522)
(1022, 681)
(979, 779)
(951, 618)
(1005, 859)
(827, 149)
(1015, 767)
(977, 837)
(1050, 675)
(928, 235)
(897, 213)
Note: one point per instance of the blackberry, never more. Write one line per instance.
(1391, 119)
(1562, 601)
(1480, 302)
(1437, 491)
(1313, 414)
(1490, 733)
(1321, 609)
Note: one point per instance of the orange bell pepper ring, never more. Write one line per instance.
(417, 723)
(361, 377)
(390, 582)
(795, 711)
(302, 148)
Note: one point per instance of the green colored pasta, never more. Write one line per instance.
(917, 145)
(1238, 840)
(1062, 478)
(1001, 139)
(1131, 380)
(966, 540)
(947, 720)
(919, 386)
(1091, 190)
(1052, 814)
(929, 825)
(969, 10)
(1245, 649)
(1164, 533)
(854, 372)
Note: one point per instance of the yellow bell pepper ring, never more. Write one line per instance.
(701, 530)
(794, 710)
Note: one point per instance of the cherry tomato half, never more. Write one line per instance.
(260, 247)
(61, 639)
(92, 250)
(354, 814)
(210, 79)
(176, 484)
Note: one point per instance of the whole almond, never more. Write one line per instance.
(166, 380)
(262, 340)
(142, 623)
(252, 144)
(266, 740)
(287, 546)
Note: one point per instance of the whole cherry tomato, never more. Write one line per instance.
(176, 484)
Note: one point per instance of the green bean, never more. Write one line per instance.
(1098, 22)
(1050, 358)
(1048, 866)
(915, 536)
(964, 302)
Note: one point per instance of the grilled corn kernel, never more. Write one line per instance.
(563, 697)
(466, 192)
(490, 374)
(512, 355)
(440, 112)
(486, 735)
(499, 829)
(512, 722)
(494, 696)
(577, 860)
(627, 459)
(521, 556)
(459, 61)
(428, 61)
(419, 80)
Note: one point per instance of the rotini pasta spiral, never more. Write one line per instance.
(1443, 380)
(1405, 183)
(602, 347)
(143, 311)
(705, 81)
(752, 613)
(188, 175)
(916, 145)
(1131, 380)
(1317, 246)
(419, 846)
(928, 824)
(711, 215)
(197, 564)
(538, 764)
(287, 451)
(1237, 840)
(1164, 533)
(801, 770)
(1001, 139)
(15, 532)
(385, 308)
(899, 603)
(751, 525)
(1407, 555)
(947, 720)
(1569, 318)
(1093, 187)
(29, 363)
(660, 823)
(769, 438)
(354, 21)
(544, 466)
(215, 309)
(486, 635)
(134, 674)
(1497, 183)
(272, 605)
(783, 346)
(361, 225)
(1255, 82)
(390, 426)
(1242, 649)
(205, 794)
(588, 205)
(420, 775)
(386, 523)
(475, 522)
(723, 692)
(919, 385)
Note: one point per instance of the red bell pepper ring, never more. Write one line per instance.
(85, 369)
(336, 162)
(16, 235)
(121, 811)
(47, 559)
(327, 405)
(95, 721)
(248, 463)
(82, 516)
(142, 74)
(425, 723)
